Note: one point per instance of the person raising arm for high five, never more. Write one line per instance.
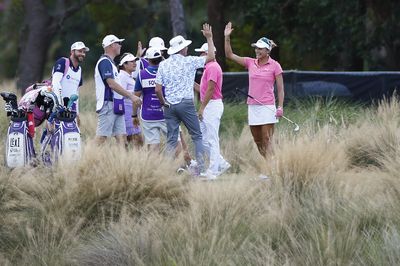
(263, 73)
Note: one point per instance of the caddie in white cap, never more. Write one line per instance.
(176, 74)
(110, 105)
(67, 75)
(155, 42)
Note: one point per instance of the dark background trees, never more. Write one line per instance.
(311, 34)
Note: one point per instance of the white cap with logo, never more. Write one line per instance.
(157, 42)
(204, 48)
(78, 46)
(110, 39)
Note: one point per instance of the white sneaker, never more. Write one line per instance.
(224, 167)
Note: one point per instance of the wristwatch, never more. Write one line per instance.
(167, 105)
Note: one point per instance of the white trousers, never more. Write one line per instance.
(210, 130)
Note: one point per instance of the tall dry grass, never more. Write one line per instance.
(332, 198)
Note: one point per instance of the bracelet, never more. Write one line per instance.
(133, 116)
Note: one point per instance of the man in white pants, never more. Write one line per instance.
(210, 113)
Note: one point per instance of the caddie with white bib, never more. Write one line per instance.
(109, 94)
(66, 79)
(67, 75)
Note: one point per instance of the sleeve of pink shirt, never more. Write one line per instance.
(248, 61)
(278, 69)
(213, 73)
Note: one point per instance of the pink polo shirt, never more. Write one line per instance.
(212, 71)
(262, 79)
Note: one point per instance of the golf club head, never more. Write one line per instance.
(72, 99)
(296, 128)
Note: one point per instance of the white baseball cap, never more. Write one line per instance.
(110, 39)
(158, 43)
(204, 48)
(128, 58)
(177, 43)
(263, 43)
(79, 45)
(153, 52)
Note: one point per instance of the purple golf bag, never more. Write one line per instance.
(64, 142)
(20, 150)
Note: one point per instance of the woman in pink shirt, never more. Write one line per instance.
(263, 73)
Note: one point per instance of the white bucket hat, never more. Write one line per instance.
(263, 43)
(78, 46)
(158, 43)
(177, 43)
(204, 48)
(128, 58)
(153, 52)
(110, 39)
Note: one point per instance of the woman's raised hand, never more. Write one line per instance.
(228, 29)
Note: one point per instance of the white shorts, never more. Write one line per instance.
(261, 114)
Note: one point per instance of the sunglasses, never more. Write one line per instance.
(120, 43)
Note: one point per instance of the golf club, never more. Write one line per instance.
(296, 126)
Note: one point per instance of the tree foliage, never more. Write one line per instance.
(311, 34)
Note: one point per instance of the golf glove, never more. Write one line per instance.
(279, 112)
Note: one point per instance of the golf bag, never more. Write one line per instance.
(64, 141)
(20, 150)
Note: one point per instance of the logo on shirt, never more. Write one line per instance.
(68, 76)
(149, 83)
(58, 66)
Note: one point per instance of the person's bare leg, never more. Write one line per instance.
(137, 140)
(100, 140)
(121, 140)
(267, 131)
(256, 132)
(153, 147)
(182, 146)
